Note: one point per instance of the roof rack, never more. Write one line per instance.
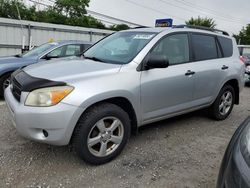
(140, 27)
(202, 28)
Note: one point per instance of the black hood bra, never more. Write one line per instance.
(29, 83)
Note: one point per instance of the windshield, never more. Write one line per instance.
(39, 50)
(119, 48)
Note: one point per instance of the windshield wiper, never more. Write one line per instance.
(94, 59)
(18, 55)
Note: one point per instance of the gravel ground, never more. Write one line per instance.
(180, 152)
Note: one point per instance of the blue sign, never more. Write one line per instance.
(164, 22)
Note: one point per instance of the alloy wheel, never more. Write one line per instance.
(226, 103)
(105, 136)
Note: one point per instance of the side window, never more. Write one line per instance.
(73, 49)
(204, 47)
(174, 47)
(227, 46)
(86, 46)
(58, 52)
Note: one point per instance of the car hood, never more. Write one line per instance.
(6, 60)
(70, 70)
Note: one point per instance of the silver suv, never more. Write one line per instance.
(128, 79)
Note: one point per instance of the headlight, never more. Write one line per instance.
(248, 68)
(48, 96)
(245, 144)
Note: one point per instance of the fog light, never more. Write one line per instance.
(45, 133)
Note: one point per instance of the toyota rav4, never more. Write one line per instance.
(128, 79)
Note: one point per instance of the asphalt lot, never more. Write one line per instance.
(180, 152)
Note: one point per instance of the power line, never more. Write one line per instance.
(52, 1)
(158, 11)
(37, 2)
(201, 12)
(110, 17)
(109, 22)
(190, 4)
(92, 12)
(154, 10)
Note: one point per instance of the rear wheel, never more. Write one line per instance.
(101, 133)
(223, 104)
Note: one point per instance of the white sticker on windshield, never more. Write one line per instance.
(143, 36)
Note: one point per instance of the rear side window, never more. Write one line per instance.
(86, 46)
(204, 47)
(227, 46)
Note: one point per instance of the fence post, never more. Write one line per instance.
(91, 36)
(29, 36)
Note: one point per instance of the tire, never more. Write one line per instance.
(3, 81)
(247, 84)
(221, 109)
(90, 126)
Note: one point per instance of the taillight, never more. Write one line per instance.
(243, 60)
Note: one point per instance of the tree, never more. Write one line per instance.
(72, 8)
(244, 35)
(119, 27)
(8, 9)
(205, 22)
(67, 12)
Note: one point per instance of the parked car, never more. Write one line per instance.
(235, 166)
(245, 53)
(128, 79)
(44, 52)
(247, 75)
(245, 57)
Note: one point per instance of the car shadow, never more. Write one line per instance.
(201, 114)
(39, 153)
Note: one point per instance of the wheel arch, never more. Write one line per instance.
(123, 103)
(235, 84)
(7, 72)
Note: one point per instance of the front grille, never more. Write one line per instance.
(16, 89)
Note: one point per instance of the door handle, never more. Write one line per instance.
(189, 73)
(224, 67)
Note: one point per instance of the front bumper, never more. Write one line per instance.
(33, 122)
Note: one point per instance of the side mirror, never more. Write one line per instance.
(157, 61)
(50, 56)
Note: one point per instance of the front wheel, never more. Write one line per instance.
(223, 104)
(4, 83)
(101, 133)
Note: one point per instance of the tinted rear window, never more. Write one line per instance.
(204, 47)
(227, 46)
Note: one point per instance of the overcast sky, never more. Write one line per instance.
(230, 15)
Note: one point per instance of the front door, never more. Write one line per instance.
(168, 90)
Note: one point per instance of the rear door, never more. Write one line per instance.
(211, 66)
